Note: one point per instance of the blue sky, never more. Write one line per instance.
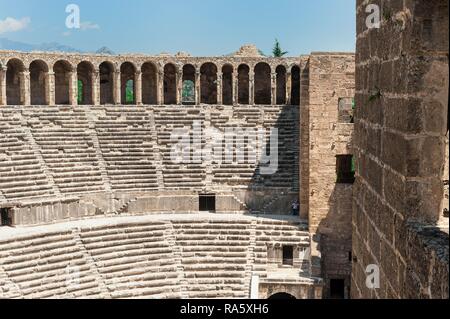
(200, 27)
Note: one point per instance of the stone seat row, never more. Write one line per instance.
(38, 266)
(139, 259)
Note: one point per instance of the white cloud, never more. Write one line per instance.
(87, 25)
(13, 25)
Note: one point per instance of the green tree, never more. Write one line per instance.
(188, 92)
(129, 92)
(277, 51)
(80, 92)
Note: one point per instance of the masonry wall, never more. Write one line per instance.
(331, 78)
(400, 127)
(304, 138)
(445, 200)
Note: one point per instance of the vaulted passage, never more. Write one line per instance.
(282, 295)
(149, 84)
(188, 93)
(262, 84)
(127, 83)
(295, 91)
(63, 71)
(243, 84)
(170, 84)
(227, 85)
(14, 82)
(38, 78)
(106, 83)
(208, 83)
(281, 85)
(85, 71)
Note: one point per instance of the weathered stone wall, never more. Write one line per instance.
(304, 139)
(298, 291)
(400, 127)
(331, 77)
(445, 200)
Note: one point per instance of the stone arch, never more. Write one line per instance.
(128, 83)
(263, 84)
(38, 82)
(14, 82)
(170, 84)
(282, 295)
(227, 84)
(85, 71)
(63, 71)
(208, 83)
(149, 83)
(188, 93)
(106, 70)
(295, 90)
(243, 84)
(281, 84)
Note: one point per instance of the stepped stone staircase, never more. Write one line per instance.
(22, 175)
(68, 151)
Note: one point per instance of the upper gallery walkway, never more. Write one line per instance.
(243, 78)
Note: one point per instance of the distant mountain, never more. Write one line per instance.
(54, 46)
(105, 50)
(6, 44)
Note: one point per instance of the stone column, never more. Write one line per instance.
(179, 82)
(96, 87)
(138, 88)
(3, 86)
(235, 76)
(197, 87)
(251, 87)
(279, 254)
(274, 88)
(219, 88)
(160, 88)
(73, 88)
(25, 97)
(117, 88)
(288, 87)
(50, 88)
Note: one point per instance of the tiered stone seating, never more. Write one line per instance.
(48, 265)
(86, 150)
(68, 151)
(125, 138)
(21, 175)
(235, 173)
(286, 120)
(207, 256)
(184, 175)
(251, 114)
(214, 257)
(134, 260)
(280, 232)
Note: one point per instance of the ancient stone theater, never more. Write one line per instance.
(239, 176)
(96, 198)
